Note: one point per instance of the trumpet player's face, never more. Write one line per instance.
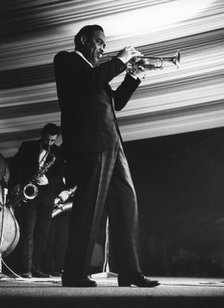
(48, 140)
(94, 47)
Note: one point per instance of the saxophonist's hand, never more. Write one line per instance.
(42, 180)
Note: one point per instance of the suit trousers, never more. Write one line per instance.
(35, 219)
(104, 184)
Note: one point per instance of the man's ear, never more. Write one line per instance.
(83, 39)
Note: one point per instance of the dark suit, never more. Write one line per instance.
(34, 216)
(96, 160)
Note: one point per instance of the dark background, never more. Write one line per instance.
(179, 183)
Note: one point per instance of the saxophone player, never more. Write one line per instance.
(34, 215)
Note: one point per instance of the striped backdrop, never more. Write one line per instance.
(168, 101)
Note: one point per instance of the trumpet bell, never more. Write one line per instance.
(176, 58)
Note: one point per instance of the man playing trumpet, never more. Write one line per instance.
(95, 156)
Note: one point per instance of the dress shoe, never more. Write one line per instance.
(138, 280)
(26, 275)
(84, 282)
(39, 274)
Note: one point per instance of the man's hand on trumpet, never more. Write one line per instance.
(128, 53)
(139, 72)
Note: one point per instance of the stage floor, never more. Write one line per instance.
(110, 280)
(173, 292)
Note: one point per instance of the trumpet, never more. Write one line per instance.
(152, 63)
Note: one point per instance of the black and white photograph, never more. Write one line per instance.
(112, 153)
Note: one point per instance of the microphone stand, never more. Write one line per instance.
(3, 192)
(106, 269)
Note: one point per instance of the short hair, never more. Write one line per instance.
(51, 129)
(88, 31)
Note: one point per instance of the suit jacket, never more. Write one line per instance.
(87, 102)
(25, 165)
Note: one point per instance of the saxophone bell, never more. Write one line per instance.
(30, 191)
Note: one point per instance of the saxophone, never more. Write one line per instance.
(30, 190)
